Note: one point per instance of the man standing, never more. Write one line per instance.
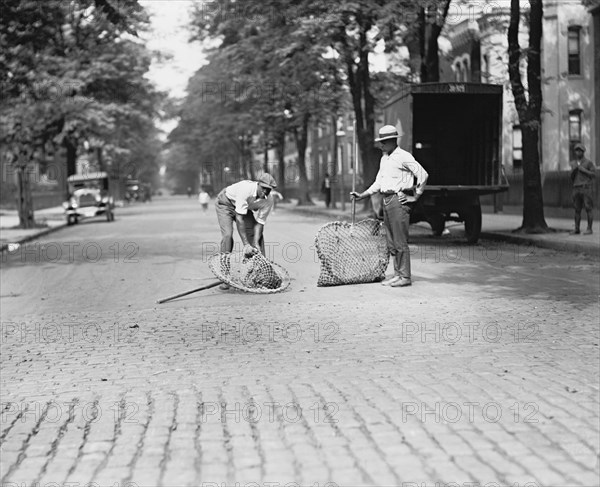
(395, 180)
(326, 189)
(204, 199)
(582, 175)
(248, 204)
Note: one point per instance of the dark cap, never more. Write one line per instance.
(267, 181)
(579, 146)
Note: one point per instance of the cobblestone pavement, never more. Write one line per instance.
(484, 372)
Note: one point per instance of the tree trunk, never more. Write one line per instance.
(301, 136)
(358, 75)
(533, 204)
(280, 148)
(99, 158)
(529, 110)
(24, 200)
(332, 163)
(71, 156)
(266, 158)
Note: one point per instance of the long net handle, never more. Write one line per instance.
(206, 286)
(354, 164)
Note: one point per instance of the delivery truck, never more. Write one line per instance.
(455, 131)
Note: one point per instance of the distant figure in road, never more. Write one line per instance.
(204, 199)
(326, 189)
(583, 173)
(189, 191)
(248, 204)
(394, 181)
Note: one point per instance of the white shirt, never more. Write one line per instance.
(203, 197)
(396, 172)
(244, 196)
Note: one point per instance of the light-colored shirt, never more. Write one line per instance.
(244, 196)
(203, 197)
(397, 172)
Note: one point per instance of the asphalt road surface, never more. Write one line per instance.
(484, 372)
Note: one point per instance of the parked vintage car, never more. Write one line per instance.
(89, 197)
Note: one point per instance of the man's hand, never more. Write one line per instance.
(405, 198)
(356, 195)
(249, 251)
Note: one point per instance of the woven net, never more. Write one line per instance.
(351, 254)
(254, 274)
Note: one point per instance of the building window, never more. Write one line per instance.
(574, 50)
(574, 129)
(466, 71)
(457, 72)
(485, 67)
(517, 148)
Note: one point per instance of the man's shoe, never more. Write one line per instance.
(574, 232)
(588, 232)
(402, 282)
(390, 281)
(224, 286)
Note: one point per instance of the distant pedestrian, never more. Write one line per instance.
(326, 189)
(583, 173)
(204, 199)
(189, 191)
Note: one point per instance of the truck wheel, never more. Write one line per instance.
(438, 223)
(110, 216)
(472, 218)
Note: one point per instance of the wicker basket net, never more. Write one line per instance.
(351, 253)
(254, 274)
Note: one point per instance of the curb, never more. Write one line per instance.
(34, 236)
(574, 247)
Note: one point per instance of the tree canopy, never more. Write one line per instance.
(72, 72)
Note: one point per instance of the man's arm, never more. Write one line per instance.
(422, 177)
(241, 228)
(588, 169)
(258, 231)
(374, 188)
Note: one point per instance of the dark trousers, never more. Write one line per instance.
(396, 218)
(582, 198)
(225, 209)
(327, 192)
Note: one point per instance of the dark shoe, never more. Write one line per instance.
(588, 232)
(224, 287)
(574, 232)
(390, 281)
(402, 282)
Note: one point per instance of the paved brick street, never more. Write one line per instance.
(484, 372)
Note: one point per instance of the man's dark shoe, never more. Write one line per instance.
(588, 232)
(402, 282)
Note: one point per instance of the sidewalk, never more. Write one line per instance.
(495, 226)
(48, 219)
